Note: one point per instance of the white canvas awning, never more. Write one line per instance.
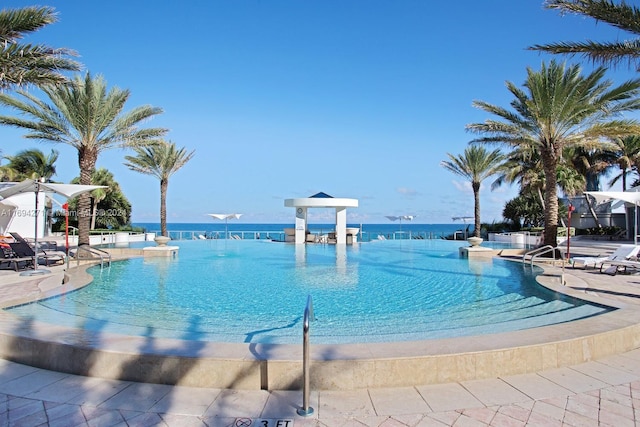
(626, 196)
(226, 216)
(32, 186)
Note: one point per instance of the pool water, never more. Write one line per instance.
(256, 291)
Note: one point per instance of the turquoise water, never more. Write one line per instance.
(256, 291)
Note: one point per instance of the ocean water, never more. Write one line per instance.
(393, 230)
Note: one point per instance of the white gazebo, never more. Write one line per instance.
(321, 200)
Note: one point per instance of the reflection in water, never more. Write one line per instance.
(326, 266)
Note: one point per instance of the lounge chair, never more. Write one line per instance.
(623, 253)
(616, 267)
(11, 260)
(23, 250)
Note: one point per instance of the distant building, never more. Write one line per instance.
(609, 214)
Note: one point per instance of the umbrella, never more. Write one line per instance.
(401, 217)
(464, 220)
(626, 196)
(35, 186)
(226, 218)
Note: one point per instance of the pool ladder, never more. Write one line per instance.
(545, 250)
(542, 251)
(306, 410)
(95, 253)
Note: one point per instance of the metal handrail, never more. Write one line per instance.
(94, 251)
(541, 251)
(306, 410)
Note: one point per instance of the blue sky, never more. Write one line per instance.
(283, 99)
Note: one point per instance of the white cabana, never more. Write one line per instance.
(632, 197)
(321, 200)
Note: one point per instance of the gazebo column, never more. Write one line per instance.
(341, 225)
(301, 225)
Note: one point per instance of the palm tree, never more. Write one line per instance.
(101, 176)
(622, 16)
(30, 164)
(109, 199)
(24, 64)
(559, 108)
(87, 117)
(476, 164)
(161, 160)
(627, 156)
(522, 165)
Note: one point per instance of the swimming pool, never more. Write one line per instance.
(255, 292)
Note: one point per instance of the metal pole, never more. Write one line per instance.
(571, 209)
(66, 231)
(306, 410)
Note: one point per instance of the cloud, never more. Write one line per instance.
(464, 186)
(407, 192)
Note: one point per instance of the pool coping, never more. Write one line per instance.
(334, 366)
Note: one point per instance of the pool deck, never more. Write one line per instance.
(604, 390)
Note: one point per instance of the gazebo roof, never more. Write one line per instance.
(321, 195)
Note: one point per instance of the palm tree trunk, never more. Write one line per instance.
(592, 212)
(540, 197)
(164, 184)
(476, 208)
(87, 162)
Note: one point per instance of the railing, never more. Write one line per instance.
(543, 250)
(363, 236)
(306, 410)
(94, 252)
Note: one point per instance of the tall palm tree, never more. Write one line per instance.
(30, 164)
(558, 108)
(87, 117)
(476, 164)
(621, 15)
(23, 64)
(161, 160)
(626, 153)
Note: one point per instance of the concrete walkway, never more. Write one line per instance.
(605, 392)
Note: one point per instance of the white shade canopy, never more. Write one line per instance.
(35, 187)
(401, 217)
(463, 218)
(226, 216)
(625, 196)
(32, 186)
